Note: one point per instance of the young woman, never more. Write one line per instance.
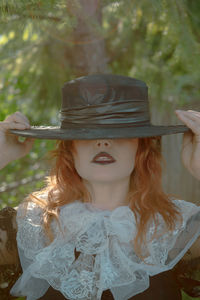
(102, 228)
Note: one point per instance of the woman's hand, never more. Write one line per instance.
(190, 152)
(11, 147)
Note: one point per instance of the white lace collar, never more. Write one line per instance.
(107, 259)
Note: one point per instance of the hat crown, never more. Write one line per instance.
(105, 100)
(101, 89)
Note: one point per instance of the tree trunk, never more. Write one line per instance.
(89, 55)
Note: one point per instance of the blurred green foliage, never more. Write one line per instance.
(156, 41)
(32, 168)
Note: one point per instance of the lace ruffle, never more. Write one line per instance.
(107, 259)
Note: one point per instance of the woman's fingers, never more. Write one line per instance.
(11, 146)
(195, 112)
(18, 117)
(191, 141)
(15, 121)
(6, 125)
(192, 120)
(189, 113)
(18, 113)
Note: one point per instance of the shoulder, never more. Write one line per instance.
(190, 213)
(31, 211)
(174, 244)
(185, 206)
(31, 234)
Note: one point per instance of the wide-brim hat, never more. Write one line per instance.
(103, 106)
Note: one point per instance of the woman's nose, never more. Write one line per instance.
(102, 143)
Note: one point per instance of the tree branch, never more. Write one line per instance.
(13, 185)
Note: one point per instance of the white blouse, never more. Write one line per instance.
(107, 259)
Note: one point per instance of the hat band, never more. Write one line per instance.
(128, 113)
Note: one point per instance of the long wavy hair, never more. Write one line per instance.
(146, 197)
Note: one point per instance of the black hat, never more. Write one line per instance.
(103, 106)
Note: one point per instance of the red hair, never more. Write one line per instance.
(146, 196)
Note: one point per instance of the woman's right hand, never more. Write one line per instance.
(10, 147)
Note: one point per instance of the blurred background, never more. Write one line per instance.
(46, 43)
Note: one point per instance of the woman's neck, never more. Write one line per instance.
(108, 195)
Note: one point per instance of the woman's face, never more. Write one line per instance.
(105, 160)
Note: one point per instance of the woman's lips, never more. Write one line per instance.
(103, 158)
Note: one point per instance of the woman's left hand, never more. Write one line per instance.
(190, 152)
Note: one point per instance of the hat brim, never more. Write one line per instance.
(56, 133)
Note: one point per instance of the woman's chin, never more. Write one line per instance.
(105, 178)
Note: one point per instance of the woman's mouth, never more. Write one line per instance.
(103, 158)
